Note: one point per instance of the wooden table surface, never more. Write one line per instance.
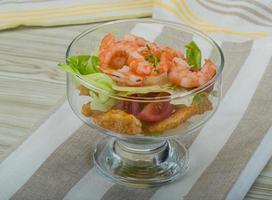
(31, 86)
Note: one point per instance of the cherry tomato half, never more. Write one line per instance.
(129, 107)
(155, 112)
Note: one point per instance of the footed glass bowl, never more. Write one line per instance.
(135, 152)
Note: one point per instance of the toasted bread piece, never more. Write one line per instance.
(181, 115)
(88, 112)
(119, 121)
(83, 91)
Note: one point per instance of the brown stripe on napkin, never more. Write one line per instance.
(118, 192)
(235, 56)
(233, 65)
(263, 20)
(242, 8)
(63, 169)
(173, 38)
(232, 159)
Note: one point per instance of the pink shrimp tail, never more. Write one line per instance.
(181, 74)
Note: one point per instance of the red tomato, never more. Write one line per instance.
(155, 112)
(135, 108)
(129, 107)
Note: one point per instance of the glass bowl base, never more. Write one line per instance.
(141, 164)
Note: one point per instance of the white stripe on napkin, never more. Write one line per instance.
(93, 184)
(215, 134)
(16, 169)
(246, 178)
(148, 30)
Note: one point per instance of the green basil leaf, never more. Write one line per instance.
(193, 54)
(154, 60)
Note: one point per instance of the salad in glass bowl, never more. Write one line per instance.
(143, 91)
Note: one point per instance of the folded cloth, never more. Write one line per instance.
(234, 146)
(63, 12)
(222, 19)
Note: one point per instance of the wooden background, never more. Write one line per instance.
(31, 86)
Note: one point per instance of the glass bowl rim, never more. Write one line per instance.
(161, 98)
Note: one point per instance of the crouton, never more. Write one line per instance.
(182, 114)
(119, 121)
(83, 91)
(88, 112)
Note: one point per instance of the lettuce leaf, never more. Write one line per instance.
(87, 68)
(193, 54)
(81, 65)
(100, 80)
(101, 102)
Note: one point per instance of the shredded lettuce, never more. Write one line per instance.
(187, 101)
(197, 98)
(143, 89)
(171, 89)
(155, 88)
(101, 102)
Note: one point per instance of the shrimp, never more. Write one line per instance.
(140, 66)
(123, 75)
(116, 54)
(166, 59)
(140, 58)
(134, 39)
(106, 42)
(137, 61)
(132, 59)
(141, 43)
(114, 60)
(171, 53)
(181, 74)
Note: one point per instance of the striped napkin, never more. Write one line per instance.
(62, 12)
(227, 154)
(234, 146)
